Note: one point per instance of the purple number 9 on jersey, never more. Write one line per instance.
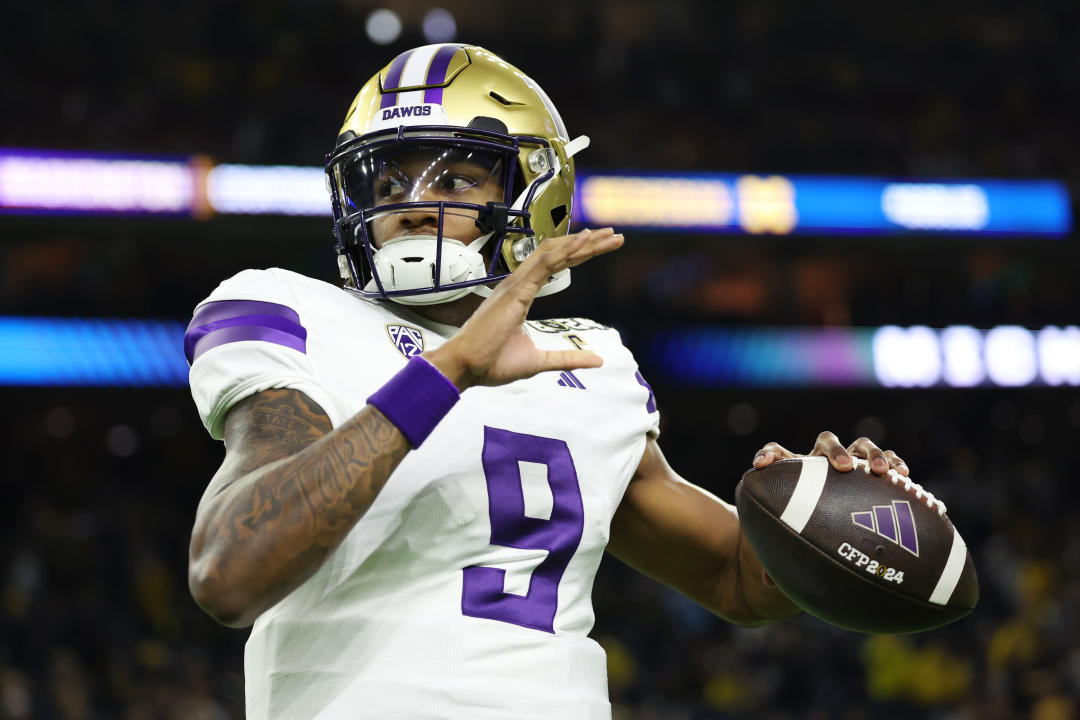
(482, 593)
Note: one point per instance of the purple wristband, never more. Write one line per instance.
(416, 399)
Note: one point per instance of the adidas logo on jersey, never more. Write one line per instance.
(569, 379)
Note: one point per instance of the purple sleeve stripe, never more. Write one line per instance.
(437, 72)
(224, 309)
(393, 79)
(650, 405)
(196, 342)
(194, 335)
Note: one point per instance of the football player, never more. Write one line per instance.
(419, 481)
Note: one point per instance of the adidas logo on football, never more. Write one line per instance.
(895, 522)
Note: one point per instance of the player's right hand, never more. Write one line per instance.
(492, 347)
(828, 445)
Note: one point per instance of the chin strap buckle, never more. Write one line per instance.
(494, 218)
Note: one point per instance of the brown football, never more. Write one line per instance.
(871, 553)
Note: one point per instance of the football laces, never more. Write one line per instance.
(921, 493)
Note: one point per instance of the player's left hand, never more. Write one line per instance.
(828, 445)
(492, 347)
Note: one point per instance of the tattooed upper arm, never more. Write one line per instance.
(289, 491)
(266, 427)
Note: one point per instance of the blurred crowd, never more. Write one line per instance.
(991, 458)
(919, 90)
(100, 487)
(756, 87)
(96, 620)
(656, 280)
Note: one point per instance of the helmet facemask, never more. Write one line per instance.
(425, 215)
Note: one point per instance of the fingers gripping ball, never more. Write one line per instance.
(867, 552)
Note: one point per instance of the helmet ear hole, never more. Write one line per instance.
(558, 214)
(490, 124)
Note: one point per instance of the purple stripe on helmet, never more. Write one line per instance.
(393, 79)
(238, 333)
(909, 539)
(886, 526)
(224, 309)
(436, 74)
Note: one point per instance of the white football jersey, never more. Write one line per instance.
(464, 591)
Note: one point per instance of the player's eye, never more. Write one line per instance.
(391, 188)
(451, 184)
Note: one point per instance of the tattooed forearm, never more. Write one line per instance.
(289, 491)
(341, 482)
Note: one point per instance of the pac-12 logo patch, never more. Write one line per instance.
(408, 340)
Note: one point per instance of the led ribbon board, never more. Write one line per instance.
(807, 204)
(141, 353)
(889, 356)
(48, 182)
(45, 182)
(92, 352)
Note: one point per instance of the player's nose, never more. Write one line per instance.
(420, 221)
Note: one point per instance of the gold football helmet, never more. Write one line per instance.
(451, 167)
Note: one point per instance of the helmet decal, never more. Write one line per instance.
(393, 78)
(425, 67)
(436, 74)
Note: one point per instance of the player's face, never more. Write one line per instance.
(433, 175)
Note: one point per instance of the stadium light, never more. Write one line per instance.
(382, 26)
(439, 26)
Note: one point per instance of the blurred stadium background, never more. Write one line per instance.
(848, 217)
